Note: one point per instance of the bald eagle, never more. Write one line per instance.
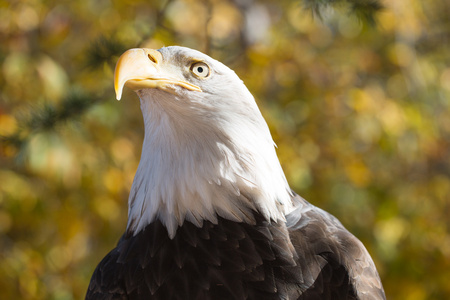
(210, 213)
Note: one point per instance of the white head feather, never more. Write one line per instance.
(205, 154)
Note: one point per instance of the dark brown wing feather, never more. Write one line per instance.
(313, 257)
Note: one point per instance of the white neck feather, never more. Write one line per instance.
(195, 167)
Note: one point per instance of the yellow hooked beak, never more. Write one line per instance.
(143, 68)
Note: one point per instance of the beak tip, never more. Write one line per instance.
(118, 95)
(118, 88)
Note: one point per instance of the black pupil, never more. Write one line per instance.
(200, 69)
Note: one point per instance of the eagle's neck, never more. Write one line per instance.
(195, 172)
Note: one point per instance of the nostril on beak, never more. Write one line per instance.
(152, 58)
(153, 55)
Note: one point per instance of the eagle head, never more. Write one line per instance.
(207, 150)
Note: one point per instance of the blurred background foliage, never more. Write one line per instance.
(360, 113)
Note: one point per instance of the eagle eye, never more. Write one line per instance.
(200, 69)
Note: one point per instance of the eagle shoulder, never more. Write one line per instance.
(335, 264)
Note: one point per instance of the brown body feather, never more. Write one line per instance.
(311, 256)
